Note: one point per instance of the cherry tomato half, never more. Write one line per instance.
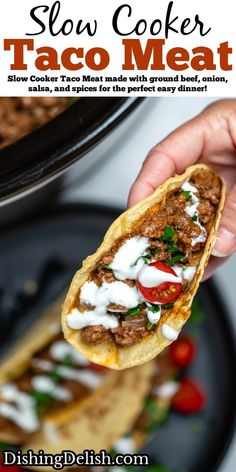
(167, 292)
(97, 367)
(189, 398)
(182, 351)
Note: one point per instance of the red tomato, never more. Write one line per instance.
(189, 398)
(9, 468)
(97, 367)
(167, 292)
(182, 351)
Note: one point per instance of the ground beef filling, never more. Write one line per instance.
(152, 225)
(22, 115)
(24, 384)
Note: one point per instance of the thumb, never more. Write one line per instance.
(226, 236)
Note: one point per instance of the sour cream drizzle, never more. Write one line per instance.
(125, 445)
(127, 263)
(18, 407)
(150, 276)
(169, 333)
(166, 390)
(153, 317)
(42, 383)
(60, 350)
(192, 210)
(117, 292)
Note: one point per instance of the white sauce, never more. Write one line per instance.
(117, 292)
(167, 390)
(187, 273)
(192, 210)
(150, 276)
(169, 333)
(42, 364)
(78, 320)
(125, 445)
(153, 317)
(187, 187)
(42, 383)
(85, 377)
(22, 412)
(60, 350)
(124, 263)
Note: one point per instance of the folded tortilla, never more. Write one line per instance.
(98, 411)
(107, 353)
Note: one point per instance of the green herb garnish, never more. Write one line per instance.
(55, 376)
(177, 257)
(168, 305)
(67, 361)
(195, 217)
(149, 325)
(133, 311)
(184, 287)
(186, 194)
(153, 308)
(158, 413)
(106, 266)
(169, 232)
(145, 260)
(42, 399)
(154, 251)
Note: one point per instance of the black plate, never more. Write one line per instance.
(44, 153)
(48, 249)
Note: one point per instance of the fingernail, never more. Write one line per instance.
(225, 243)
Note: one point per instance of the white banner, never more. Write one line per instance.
(114, 48)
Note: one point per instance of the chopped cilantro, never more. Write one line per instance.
(177, 257)
(54, 375)
(195, 217)
(153, 308)
(186, 194)
(172, 248)
(149, 325)
(42, 399)
(154, 251)
(133, 311)
(169, 232)
(157, 412)
(145, 260)
(184, 287)
(67, 361)
(168, 305)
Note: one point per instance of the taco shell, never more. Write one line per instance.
(108, 353)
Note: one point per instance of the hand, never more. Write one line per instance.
(209, 138)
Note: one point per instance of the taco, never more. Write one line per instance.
(45, 384)
(132, 297)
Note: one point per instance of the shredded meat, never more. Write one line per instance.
(96, 334)
(154, 226)
(21, 115)
(127, 336)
